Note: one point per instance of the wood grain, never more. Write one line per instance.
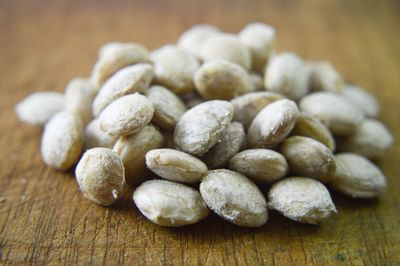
(45, 220)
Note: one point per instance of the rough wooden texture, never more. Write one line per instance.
(43, 217)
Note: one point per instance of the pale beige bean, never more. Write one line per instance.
(257, 80)
(39, 107)
(309, 126)
(234, 197)
(112, 60)
(200, 128)
(110, 47)
(62, 140)
(174, 68)
(363, 100)
(259, 38)
(272, 124)
(132, 150)
(128, 80)
(169, 204)
(175, 165)
(357, 177)
(168, 107)
(227, 47)
(126, 115)
(286, 75)
(191, 99)
(193, 39)
(371, 139)
(95, 137)
(100, 176)
(260, 165)
(221, 79)
(341, 117)
(229, 145)
(324, 77)
(301, 199)
(308, 157)
(248, 105)
(79, 96)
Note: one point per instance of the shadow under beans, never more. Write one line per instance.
(348, 203)
(214, 227)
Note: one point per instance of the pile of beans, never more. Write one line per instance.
(213, 117)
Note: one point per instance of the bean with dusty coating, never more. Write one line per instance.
(308, 157)
(39, 107)
(194, 38)
(324, 77)
(272, 124)
(362, 99)
(341, 117)
(113, 59)
(174, 68)
(221, 79)
(168, 107)
(357, 177)
(132, 150)
(127, 115)
(371, 139)
(100, 176)
(309, 126)
(79, 96)
(126, 81)
(259, 38)
(286, 75)
(248, 105)
(234, 197)
(62, 140)
(175, 165)
(201, 127)
(169, 204)
(301, 199)
(95, 137)
(227, 47)
(230, 144)
(260, 165)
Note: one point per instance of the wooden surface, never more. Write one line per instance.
(43, 217)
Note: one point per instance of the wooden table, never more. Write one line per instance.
(43, 217)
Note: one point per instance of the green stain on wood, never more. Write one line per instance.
(340, 257)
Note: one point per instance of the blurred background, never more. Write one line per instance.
(61, 38)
